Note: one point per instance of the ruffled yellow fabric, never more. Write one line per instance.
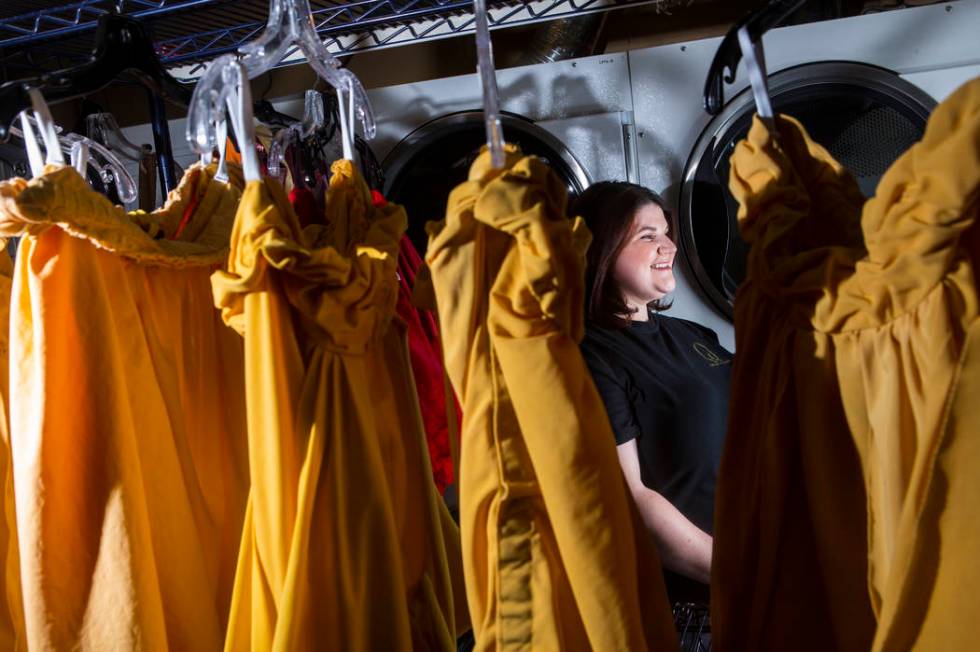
(344, 543)
(869, 338)
(554, 558)
(11, 607)
(127, 419)
(62, 198)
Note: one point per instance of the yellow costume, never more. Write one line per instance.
(343, 542)
(554, 558)
(847, 493)
(126, 415)
(11, 609)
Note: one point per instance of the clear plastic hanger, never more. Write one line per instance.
(290, 24)
(34, 156)
(84, 152)
(236, 93)
(488, 79)
(755, 64)
(121, 46)
(106, 164)
(222, 172)
(239, 104)
(313, 119)
(313, 114)
(103, 128)
(216, 125)
(80, 156)
(277, 150)
(49, 134)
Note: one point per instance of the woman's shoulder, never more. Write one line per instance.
(602, 345)
(688, 327)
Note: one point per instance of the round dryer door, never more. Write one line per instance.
(426, 165)
(865, 116)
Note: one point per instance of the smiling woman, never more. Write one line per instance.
(644, 267)
(630, 261)
(664, 381)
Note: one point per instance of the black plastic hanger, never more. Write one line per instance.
(267, 114)
(122, 47)
(725, 63)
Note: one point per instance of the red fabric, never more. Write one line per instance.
(191, 206)
(425, 351)
(306, 207)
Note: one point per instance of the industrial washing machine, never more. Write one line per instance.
(863, 87)
(575, 114)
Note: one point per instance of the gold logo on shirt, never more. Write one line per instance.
(710, 356)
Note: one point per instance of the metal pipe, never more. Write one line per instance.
(161, 142)
(564, 39)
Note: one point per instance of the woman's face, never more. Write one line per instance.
(644, 270)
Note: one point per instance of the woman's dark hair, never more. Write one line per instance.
(608, 208)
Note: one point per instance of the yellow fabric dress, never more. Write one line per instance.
(126, 418)
(343, 547)
(554, 558)
(852, 438)
(11, 609)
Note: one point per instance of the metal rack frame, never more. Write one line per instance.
(81, 16)
(383, 24)
(355, 26)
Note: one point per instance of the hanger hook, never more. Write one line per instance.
(488, 80)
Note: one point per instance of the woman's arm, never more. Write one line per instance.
(684, 547)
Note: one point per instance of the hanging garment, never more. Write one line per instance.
(849, 467)
(425, 351)
(905, 319)
(343, 546)
(127, 416)
(11, 607)
(305, 206)
(789, 561)
(555, 558)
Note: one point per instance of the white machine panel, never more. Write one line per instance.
(597, 141)
(541, 92)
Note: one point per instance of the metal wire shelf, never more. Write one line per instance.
(191, 32)
(63, 20)
(383, 24)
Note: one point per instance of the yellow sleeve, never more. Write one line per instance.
(789, 552)
(548, 547)
(536, 320)
(799, 209)
(914, 224)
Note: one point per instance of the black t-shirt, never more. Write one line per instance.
(665, 383)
